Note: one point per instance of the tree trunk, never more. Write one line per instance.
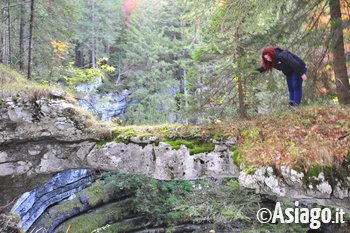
(339, 60)
(1, 47)
(5, 42)
(93, 45)
(185, 90)
(241, 94)
(2, 38)
(31, 24)
(21, 35)
(78, 56)
(9, 34)
(242, 107)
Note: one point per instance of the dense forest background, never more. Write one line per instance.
(189, 61)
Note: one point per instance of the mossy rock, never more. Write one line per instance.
(195, 147)
(2, 103)
(164, 134)
(99, 218)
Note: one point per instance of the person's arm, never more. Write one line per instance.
(261, 70)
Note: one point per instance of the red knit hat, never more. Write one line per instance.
(266, 64)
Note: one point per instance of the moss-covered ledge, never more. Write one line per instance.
(198, 139)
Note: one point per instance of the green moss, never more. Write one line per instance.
(169, 230)
(250, 169)
(90, 221)
(187, 134)
(123, 135)
(313, 172)
(202, 148)
(176, 144)
(68, 205)
(217, 136)
(115, 133)
(237, 156)
(16, 98)
(239, 159)
(144, 136)
(96, 193)
(331, 174)
(194, 146)
(128, 133)
(2, 103)
(122, 140)
(118, 136)
(63, 207)
(165, 131)
(102, 143)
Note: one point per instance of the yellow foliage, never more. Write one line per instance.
(335, 100)
(102, 63)
(328, 68)
(59, 48)
(333, 77)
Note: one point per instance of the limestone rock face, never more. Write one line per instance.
(43, 119)
(31, 205)
(161, 162)
(292, 186)
(42, 138)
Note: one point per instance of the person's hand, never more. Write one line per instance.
(303, 77)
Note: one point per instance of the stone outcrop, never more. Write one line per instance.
(161, 161)
(291, 184)
(50, 135)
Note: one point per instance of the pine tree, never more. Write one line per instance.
(151, 51)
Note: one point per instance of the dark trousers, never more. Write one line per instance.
(295, 88)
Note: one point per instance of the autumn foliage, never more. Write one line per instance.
(59, 48)
(299, 139)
